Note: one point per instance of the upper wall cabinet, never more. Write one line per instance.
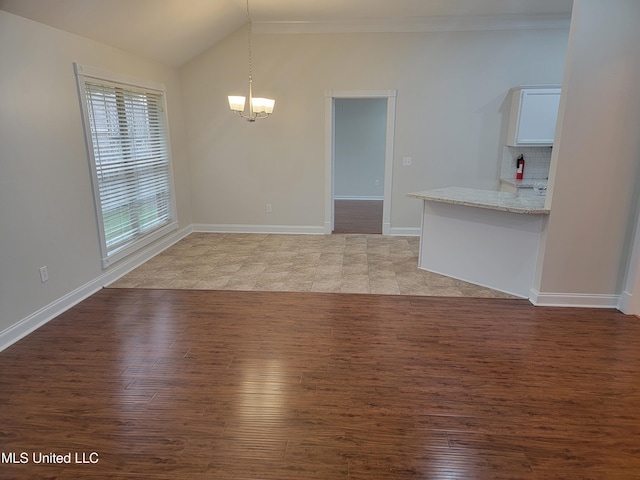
(534, 111)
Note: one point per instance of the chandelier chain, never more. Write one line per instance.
(249, 41)
(258, 107)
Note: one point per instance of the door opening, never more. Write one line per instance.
(359, 151)
(359, 134)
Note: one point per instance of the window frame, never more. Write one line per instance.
(140, 239)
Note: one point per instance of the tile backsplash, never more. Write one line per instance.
(536, 162)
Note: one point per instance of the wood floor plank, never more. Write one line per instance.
(165, 384)
(357, 216)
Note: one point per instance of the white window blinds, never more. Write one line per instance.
(127, 131)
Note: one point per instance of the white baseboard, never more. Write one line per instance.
(282, 229)
(349, 197)
(294, 230)
(405, 231)
(34, 321)
(624, 305)
(547, 299)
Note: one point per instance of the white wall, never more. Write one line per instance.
(47, 214)
(451, 89)
(359, 142)
(595, 165)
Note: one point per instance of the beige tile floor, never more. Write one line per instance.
(311, 263)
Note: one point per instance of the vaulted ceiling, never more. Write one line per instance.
(175, 31)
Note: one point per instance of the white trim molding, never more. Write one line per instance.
(404, 231)
(34, 321)
(626, 304)
(239, 228)
(101, 74)
(548, 299)
(355, 197)
(444, 23)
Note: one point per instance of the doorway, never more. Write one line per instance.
(359, 149)
(352, 175)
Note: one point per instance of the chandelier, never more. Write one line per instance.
(258, 107)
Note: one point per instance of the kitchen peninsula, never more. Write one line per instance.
(485, 237)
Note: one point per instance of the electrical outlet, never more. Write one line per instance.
(269, 208)
(377, 183)
(406, 161)
(44, 275)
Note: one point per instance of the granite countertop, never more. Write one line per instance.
(491, 199)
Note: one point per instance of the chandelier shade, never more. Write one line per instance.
(236, 103)
(263, 105)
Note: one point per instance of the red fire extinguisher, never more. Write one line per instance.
(520, 167)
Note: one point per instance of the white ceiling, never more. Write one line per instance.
(175, 31)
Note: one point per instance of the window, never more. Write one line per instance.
(127, 143)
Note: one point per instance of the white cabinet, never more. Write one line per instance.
(532, 120)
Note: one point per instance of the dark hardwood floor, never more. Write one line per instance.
(174, 384)
(357, 216)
